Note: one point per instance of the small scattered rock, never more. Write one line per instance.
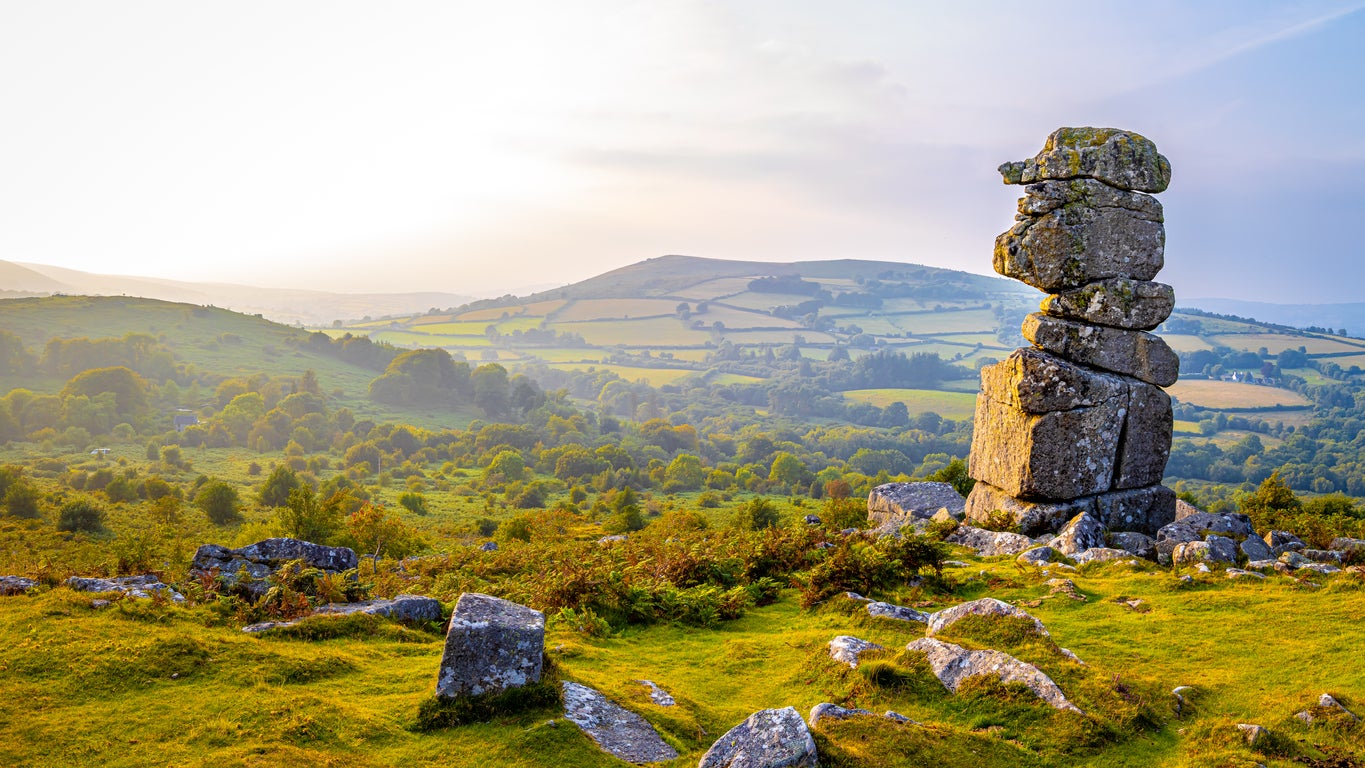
(898, 612)
(1238, 573)
(1203, 568)
(139, 587)
(832, 711)
(857, 597)
(1079, 534)
(1329, 556)
(989, 543)
(1323, 568)
(847, 649)
(1100, 555)
(1261, 565)
(616, 730)
(813, 520)
(1071, 656)
(897, 717)
(1179, 693)
(1255, 548)
(488, 546)
(612, 538)
(1251, 732)
(1283, 541)
(658, 695)
(769, 738)
(1065, 587)
(1346, 544)
(1138, 544)
(1134, 603)
(952, 664)
(99, 603)
(1043, 554)
(15, 585)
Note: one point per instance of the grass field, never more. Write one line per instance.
(960, 321)
(1231, 394)
(951, 405)
(653, 332)
(452, 328)
(739, 318)
(1276, 343)
(146, 684)
(656, 377)
(1183, 342)
(714, 290)
(614, 309)
(733, 378)
(778, 337)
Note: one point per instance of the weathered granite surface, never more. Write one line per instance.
(492, 645)
(615, 729)
(1117, 157)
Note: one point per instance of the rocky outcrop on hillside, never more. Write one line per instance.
(1078, 427)
(138, 587)
(252, 565)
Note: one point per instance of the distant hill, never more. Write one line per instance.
(285, 305)
(664, 274)
(1350, 316)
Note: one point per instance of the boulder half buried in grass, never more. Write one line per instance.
(769, 738)
(492, 645)
(953, 664)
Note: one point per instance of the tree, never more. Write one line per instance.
(489, 382)
(372, 531)
(757, 515)
(277, 488)
(305, 516)
(21, 499)
(414, 502)
(684, 473)
(81, 515)
(507, 466)
(219, 502)
(787, 470)
(128, 388)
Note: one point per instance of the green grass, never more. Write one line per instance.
(655, 376)
(1276, 343)
(140, 684)
(652, 332)
(951, 405)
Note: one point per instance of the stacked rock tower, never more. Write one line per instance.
(1080, 422)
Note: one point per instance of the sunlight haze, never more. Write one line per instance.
(484, 148)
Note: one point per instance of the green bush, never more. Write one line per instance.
(218, 500)
(80, 515)
(758, 514)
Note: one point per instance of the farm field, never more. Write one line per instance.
(1276, 343)
(656, 377)
(1231, 394)
(652, 332)
(614, 309)
(951, 405)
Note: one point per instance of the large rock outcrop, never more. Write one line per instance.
(953, 664)
(1079, 424)
(252, 565)
(492, 645)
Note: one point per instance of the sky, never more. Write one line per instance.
(492, 147)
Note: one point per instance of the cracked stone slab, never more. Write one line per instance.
(1132, 353)
(615, 729)
(1120, 302)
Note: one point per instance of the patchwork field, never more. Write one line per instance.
(951, 405)
(1231, 394)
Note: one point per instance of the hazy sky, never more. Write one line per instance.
(483, 147)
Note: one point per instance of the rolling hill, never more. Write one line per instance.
(279, 304)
